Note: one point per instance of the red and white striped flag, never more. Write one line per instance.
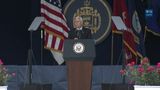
(55, 27)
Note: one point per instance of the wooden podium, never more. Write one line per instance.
(79, 56)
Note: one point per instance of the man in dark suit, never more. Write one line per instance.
(79, 32)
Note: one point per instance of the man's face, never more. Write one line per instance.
(77, 22)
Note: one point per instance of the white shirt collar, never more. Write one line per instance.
(79, 28)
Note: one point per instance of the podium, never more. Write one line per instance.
(79, 55)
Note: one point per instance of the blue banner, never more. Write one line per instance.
(152, 15)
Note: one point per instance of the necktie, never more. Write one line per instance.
(79, 34)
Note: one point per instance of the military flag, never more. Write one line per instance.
(120, 9)
(136, 14)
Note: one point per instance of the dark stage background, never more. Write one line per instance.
(17, 15)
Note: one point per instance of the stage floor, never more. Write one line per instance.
(57, 76)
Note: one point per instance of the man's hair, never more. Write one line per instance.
(79, 18)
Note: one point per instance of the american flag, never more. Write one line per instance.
(54, 25)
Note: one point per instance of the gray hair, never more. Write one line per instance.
(81, 19)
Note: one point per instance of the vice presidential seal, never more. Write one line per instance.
(78, 48)
(96, 15)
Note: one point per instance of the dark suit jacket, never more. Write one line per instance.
(85, 33)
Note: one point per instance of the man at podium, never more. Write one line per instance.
(79, 53)
(79, 32)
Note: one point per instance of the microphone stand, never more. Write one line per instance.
(33, 27)
(120, 25)
(123, 58)
(30, 57)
